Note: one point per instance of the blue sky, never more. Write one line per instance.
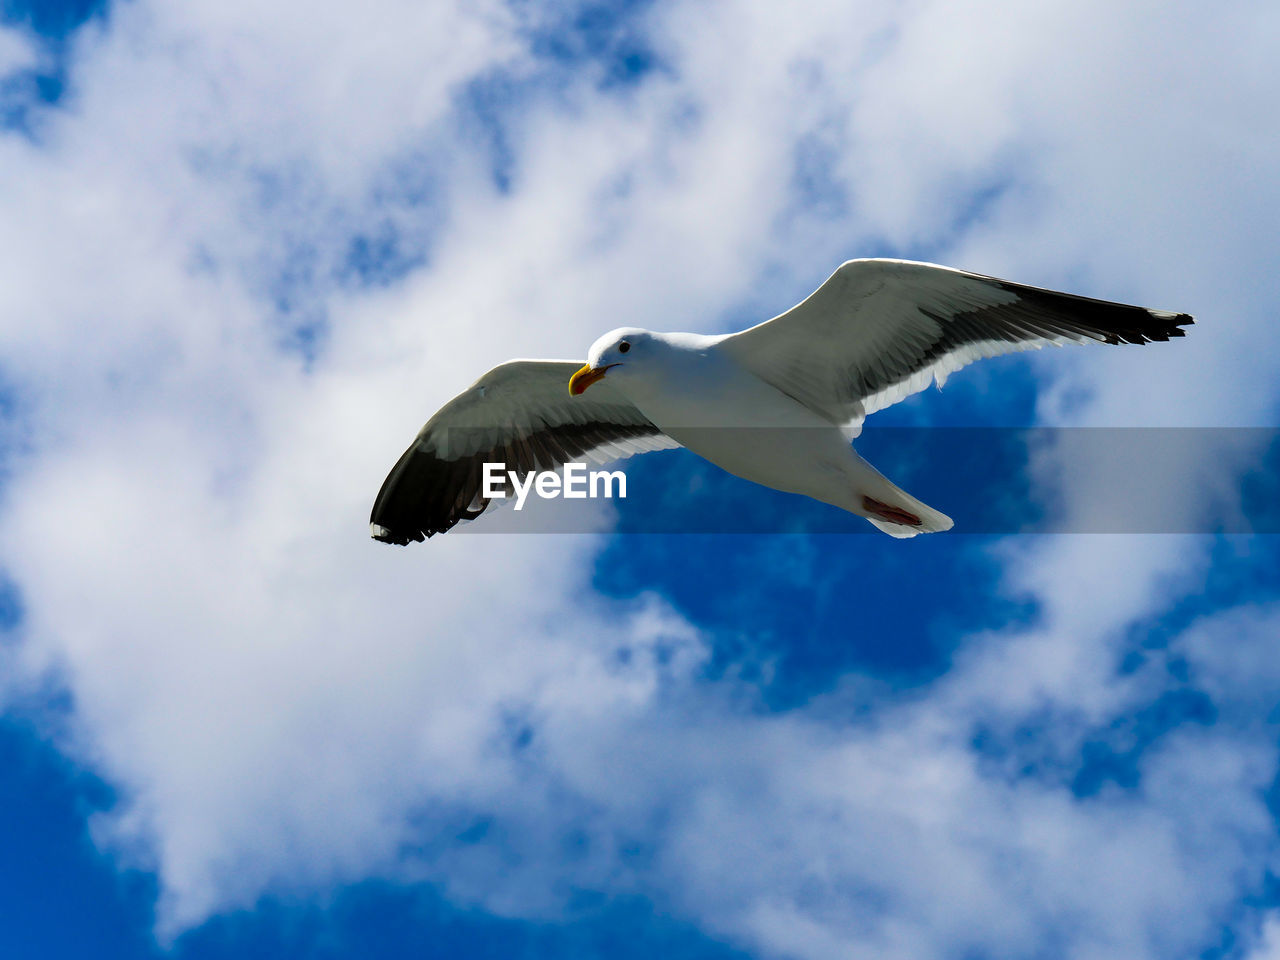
(247, 252)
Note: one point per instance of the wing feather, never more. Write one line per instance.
(878, 331)
(519, 414)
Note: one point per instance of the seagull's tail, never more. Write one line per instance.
(931, 521)
(892, 509)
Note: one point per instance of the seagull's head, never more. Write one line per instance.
(626, 346)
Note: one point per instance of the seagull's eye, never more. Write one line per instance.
(623, 347)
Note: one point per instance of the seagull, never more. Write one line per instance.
(778, 403)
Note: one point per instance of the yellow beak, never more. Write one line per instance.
(585, 377)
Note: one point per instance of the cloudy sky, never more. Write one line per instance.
(246, 249)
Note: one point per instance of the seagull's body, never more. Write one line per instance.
(776, 404)
(697, 394)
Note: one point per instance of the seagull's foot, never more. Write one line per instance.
(891, 514)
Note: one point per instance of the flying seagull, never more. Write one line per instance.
(777, 403)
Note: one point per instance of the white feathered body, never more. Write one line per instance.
(708, 403)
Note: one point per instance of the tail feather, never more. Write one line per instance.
(932, 521)
(879, 499)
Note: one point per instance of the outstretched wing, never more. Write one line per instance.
(878, 331)
(519, 414)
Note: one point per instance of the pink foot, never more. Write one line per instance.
(892, 514)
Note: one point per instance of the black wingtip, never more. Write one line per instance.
(405, 510)
(1159, 325)
(401, 538)
(1103, 320)
(1140, 325)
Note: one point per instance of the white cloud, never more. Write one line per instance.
(1269, 946)
(16, 52)
(285, 705)
(1235, 654)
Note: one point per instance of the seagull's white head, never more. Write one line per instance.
(621, 348)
